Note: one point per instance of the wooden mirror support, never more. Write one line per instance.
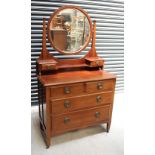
(47, 62)
(73, 93)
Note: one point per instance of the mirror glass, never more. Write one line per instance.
(69, 30)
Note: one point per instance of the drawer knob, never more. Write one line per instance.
(66, 120)
(97, 114)
(97, 62)
(66, 90)
(99, 86)
(67, 104)
(98, 99)
(48, 66)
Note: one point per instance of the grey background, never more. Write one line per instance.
(109, 16)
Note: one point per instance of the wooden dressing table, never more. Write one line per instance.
(73, 93)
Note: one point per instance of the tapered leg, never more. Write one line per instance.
(47, 139)
(48, 142)
(108, 126)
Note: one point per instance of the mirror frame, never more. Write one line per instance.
(49, 34)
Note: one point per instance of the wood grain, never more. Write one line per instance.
(79, 119)
(74, 90)
(80, 102)
(71, 77)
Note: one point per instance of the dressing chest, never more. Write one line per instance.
(73, 93)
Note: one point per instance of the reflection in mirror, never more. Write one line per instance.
(69, 30)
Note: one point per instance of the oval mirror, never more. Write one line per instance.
(69, 30)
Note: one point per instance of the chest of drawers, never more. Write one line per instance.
(74, 100)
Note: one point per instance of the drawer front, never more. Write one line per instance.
(60, 106)
(99, 86)
(47, 67)
(80, 119)
(96, 63)
(67, 90)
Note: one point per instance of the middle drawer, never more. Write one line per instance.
(65, 105)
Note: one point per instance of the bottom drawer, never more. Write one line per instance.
(80, 119)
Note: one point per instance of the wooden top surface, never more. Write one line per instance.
(74, 77)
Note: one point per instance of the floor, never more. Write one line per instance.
(89, 141)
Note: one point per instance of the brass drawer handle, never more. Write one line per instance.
(49, 66)
(99, 86)
(98, 99)
(97, 62)
(66, 120)
(97, 114)
(67, 104)
(66, 90)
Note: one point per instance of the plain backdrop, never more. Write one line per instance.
(15, 73)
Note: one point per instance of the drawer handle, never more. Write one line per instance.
(97, 114)
(97, 62)
(67, 104)
(98, 99)
(48, 66)
(66, 120)
(66, 90)
(99, 86)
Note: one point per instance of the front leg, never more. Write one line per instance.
(108, 126)
(48, 142)
(46, 138)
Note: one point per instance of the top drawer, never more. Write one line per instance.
(67, 90)
(81, 88)
(99, 86)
